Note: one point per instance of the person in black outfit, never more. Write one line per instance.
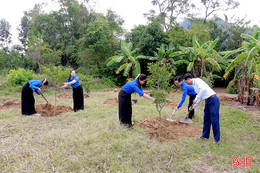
(28, 102)
(78, 97)
(124, 99)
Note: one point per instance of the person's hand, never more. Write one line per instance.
(194, 102)
(154, 100)
(190, 109)
(176, 108)
(39, 89)
(64, 83)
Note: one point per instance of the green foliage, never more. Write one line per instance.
(158, 82)
(57, 74)
(84, 82)
(131, 60)
(19, 76)
(203, 59)
(147, 38)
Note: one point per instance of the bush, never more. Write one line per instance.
(19, 77)
(84, 82)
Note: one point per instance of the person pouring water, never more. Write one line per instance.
(124, 98)
(78, 97)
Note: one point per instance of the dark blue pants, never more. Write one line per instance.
(211, 116)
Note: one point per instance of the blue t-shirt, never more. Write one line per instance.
(186, 89)
(75, 84)
(131, 87)
(35, 84)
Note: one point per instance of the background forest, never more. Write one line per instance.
(103, 52)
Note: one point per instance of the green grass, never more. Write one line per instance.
(93, 140)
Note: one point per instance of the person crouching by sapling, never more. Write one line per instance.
(212, 104)
(186, 90)
(28, 102)
(124, 99)
(78, 97)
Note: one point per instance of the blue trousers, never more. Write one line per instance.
(211, 116)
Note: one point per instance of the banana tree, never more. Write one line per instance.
(247, 60)
(163, 53)
(200, 58)
(130, 58)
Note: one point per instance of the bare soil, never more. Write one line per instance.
(111, 89)
(172, 104)
(68, 95)
(43, 109)
(170, 130)
(11, 103)
(231, 100)
(114, 101)
(48, 109)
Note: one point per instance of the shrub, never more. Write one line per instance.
(19, 76)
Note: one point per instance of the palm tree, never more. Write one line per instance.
(131, 60)
(200, 57)
(248, 61)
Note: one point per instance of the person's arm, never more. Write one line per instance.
(69, 83)
(198, 98)
(184, 94)
(34, 86)
(148, 97)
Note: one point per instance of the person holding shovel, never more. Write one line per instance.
(212, 104)
(78, 97)
(186, 90)
(124, 98)
(28, 102)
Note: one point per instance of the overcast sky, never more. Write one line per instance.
(130, 10)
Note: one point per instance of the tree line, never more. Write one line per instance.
(97, 44)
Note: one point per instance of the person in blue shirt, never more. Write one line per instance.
(28, 102)
(186, 90)
(78, 97)
(124, 99)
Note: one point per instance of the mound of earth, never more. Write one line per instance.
(11, 103)
(111, 89)
(48, 109)
(68, 95)
(223, 98)
(170, 130)
(172, 104)
(114, 101)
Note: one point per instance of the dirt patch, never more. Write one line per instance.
(65, 95)
(170, 131)
(11, 103)
(177, 91)
(86, 95)
(68, 95)
(114, 101)
(111, 89)
(48, 109)
(172, 104)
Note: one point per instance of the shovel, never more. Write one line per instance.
(186, 119)
(44, 98)
(170, 119)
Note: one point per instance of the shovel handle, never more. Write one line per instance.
(172, 114)
(44, 97)
(189, 111)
